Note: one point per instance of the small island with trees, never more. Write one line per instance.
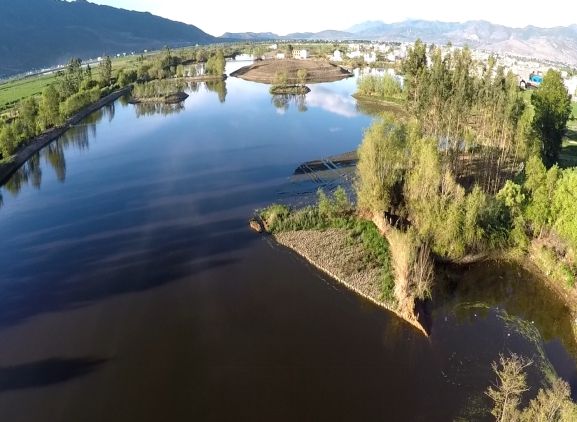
(268, 71)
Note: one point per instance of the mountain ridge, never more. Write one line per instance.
(43, 33)
(556, 43)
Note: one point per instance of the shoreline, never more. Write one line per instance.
(175, 98)
(34, 145)
(295, 241)
(203, 78)
(304, 244)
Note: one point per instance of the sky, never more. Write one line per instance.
(218, 16)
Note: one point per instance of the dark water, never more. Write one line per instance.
(132, 290)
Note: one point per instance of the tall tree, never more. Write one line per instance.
(552, 105)
(106, 71)
(511, 384)
(49, 108)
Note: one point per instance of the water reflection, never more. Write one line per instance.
(219, 87)
(282, 102)
(481, 289)
(54, 154)
(150, 109)
(333, 102)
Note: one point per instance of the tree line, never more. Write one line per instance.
(79, 86)
(472, 170)
(75, 88)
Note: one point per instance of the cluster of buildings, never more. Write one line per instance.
(393, 52)
(299, 54)
(370, 53)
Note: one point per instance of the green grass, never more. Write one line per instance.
(12, 91)
(330, 213)
(15, 90)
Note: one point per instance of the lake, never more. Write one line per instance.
(131, 288)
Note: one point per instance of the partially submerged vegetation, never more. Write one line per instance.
(355, 252)
(379, 88)
(161, 91)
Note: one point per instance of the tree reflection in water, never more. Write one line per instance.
(54, 154)
(78, 137)
(150, 109)
(282, 102)
(219, 87)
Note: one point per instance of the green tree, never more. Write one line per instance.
(7, 141)
(565, 207)
(49, 108)
(280, 78)
(27, 115)
(552, 106)
(71, 78)
(382, 162)
(415, 69)
(552, 404)
(540, 185)
(511, 384)
(216, 64)
(106, 72)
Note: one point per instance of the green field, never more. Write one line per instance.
(15, 90)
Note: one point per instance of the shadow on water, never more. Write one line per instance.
(510, 290)
(46, 372)
(173, 254)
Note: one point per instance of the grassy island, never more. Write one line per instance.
(167, 92)
(317, 71)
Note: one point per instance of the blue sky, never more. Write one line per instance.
(216, 17)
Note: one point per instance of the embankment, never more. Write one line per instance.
(39, 142)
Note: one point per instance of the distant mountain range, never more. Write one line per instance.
(557, 44)
(42, 33)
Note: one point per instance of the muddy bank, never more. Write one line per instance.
(317, 71)
(39, 142)
(332, 252)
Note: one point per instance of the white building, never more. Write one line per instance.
(280, 56)
(337, 56)
(571, 85)
(300, 54)
(370, 57)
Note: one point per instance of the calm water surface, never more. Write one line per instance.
(132, 290)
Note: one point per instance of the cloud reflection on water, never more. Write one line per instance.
(331, 101)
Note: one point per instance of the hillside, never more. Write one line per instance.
(558, 44)
(42, 33)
